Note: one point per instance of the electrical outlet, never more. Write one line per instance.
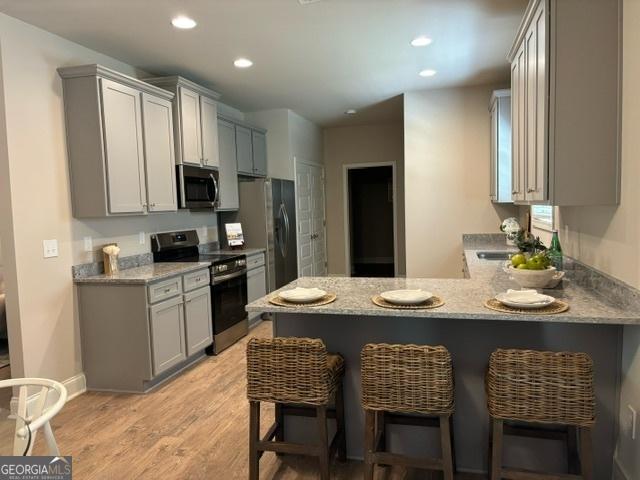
(632, 422)
(50, 248)
(142, 238)
(88, 244)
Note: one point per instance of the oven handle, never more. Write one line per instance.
(230, 276)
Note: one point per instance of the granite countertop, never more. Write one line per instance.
(464, 298)
(245, 251)
(144, 274)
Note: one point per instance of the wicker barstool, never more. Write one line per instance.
(299, 377)
(407, 385)
(541, 395)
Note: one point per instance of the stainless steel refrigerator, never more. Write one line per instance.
(268, 217)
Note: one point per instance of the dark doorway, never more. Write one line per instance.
(371, 223)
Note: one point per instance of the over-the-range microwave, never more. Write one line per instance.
(197, 187)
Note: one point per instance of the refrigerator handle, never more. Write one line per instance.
(287, 229)
(281, 237)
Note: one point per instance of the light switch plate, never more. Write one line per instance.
(88, 244)
(633, 417)
(142, 238)
(50, 248)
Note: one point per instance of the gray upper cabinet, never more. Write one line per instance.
(118, 144)
(189, 118)
(209, 122)
(228, 199)
(122, 120)
(259, 149)
(500, 167)
(244, 150)
(195, 121)
(159, 154)
(566, 131)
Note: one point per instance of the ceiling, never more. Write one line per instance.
(318, 59)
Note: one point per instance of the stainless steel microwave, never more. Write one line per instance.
(197, 187)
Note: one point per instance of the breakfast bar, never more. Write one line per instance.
(470, 331)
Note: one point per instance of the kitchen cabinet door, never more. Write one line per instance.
(197, 320)
(537, 189)
(159, 154)
(167, 334)
(122, 123)
(244, 150)
(191, 141)
(256, 287)
(228, 199)
(259, 144)
(209, 122)
(520, 121)
(493, 160)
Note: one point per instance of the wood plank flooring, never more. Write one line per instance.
(193, 427)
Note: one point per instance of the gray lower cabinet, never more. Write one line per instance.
(134, 336)
(197, 320)
(228, 170)
(259, 149)
(119, 143)
(167, 334)
(256, 281)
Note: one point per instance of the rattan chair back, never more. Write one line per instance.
(407, 379)
(544, 387)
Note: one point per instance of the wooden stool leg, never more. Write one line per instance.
(340, 424)
(586, 451)
(453, 444)
(445, 441)
(369, 443)
(572, 450)
(496, 449)
(254, 437)
(323, 441)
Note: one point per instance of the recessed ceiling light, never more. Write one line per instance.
(183, 22)
(351, 111)
(428, 73)
(242, 63)
(421, 41)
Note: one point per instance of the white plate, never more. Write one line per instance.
(526, 299)
(302, 295)
(406, 297)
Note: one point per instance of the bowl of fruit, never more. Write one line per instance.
(533, 271)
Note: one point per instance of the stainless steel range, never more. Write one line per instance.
(228, 283)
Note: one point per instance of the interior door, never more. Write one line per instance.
(190, 127)
(310, 205)
(122, 120)
(159, 154)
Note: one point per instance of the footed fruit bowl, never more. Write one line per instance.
(544, 278)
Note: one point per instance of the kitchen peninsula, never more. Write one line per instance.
(593, 324)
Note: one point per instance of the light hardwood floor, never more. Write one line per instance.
(193, 427)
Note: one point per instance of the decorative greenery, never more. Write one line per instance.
(527, 243)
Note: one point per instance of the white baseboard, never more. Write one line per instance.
(75, 386)
(619, 472)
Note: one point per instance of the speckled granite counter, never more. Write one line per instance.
(470, 332)
(144, 274)
(244, 251)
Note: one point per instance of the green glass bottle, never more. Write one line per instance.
(555, 252)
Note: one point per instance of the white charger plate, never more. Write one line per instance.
(544, 301)
(302, 295)
(406, 297)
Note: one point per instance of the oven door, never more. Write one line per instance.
(229, 298)
(198, 187)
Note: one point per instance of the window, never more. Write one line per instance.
(542, 217)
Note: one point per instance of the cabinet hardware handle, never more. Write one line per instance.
(167, 290)
(514, 192)
(531, 190)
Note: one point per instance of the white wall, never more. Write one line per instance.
(446, 145)
(359, 144)
(35, 203)
(289, 136)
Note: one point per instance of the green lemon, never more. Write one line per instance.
(518, 259)
(522, 266)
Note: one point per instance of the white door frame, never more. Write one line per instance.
(311, 163)
(345, 195)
